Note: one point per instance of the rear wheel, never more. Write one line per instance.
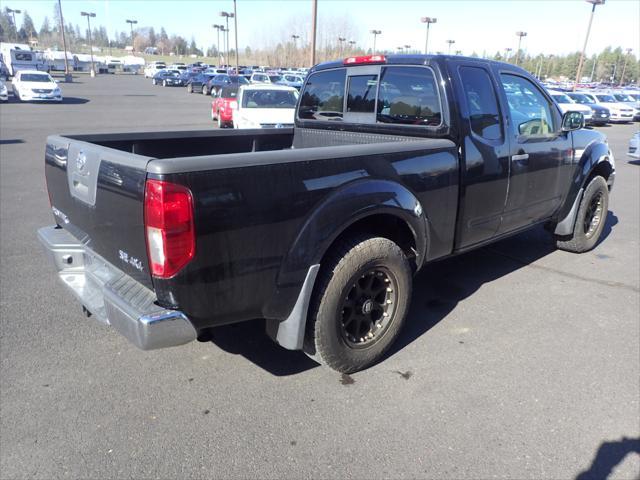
(154, 81)
(164, 83)
(359, 305)
(204, 90)
(590, 220)
(189, 88)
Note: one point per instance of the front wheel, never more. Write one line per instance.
(204, 90)
(164, 83)
(190, 88)
(590, 220)
(359, 305)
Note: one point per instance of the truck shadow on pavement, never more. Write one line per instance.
(608, 456)
(438, 288)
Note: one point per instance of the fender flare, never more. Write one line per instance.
(596, 153)
(341, 209)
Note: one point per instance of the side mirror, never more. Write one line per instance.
(572, 121)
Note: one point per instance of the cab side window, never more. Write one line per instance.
(530, 110)
(482, 104)
(323, 96)
(408, 95)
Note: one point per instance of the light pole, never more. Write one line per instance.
(235, 27)
(586, 39)
(341, 41)
(428, 21)
(375, 35)
(227, 16)
(406, 48)
(89, 16)
(225, 37)
(549, 66)
(624, 68)
(400, 49)
(132, 23)
(295, 38)
(450, 42)
(314, 29)
(507, 52)
(13, 13)
(352, 44)
(67, 76)
(520, 35)
(218, 28)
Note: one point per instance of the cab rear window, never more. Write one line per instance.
(398, 94)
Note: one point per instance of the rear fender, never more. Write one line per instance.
(341, 209)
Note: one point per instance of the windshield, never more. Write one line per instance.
(561, 98)
(239, 80)
(35, 77)
(275, 78)
(269, 99)
(606, 98)
(622, 98)
(579, 98)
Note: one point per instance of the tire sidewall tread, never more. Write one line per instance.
(323, 341)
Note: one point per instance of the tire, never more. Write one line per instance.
(220, 124)
(590, 220)
(204, 90)
(190, 88)
(164, 83)
(154, 81)
(359, 304)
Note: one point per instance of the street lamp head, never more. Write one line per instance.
(88, 14)
(341, 39)
(428, 20)
(227, 14)
(451, 42)
(407, 46)
(376, 32)
(132, 22)
(596, 2)
(521, 34)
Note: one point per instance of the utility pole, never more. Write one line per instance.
(89, 16)
(520, 35)
(314, 27)
(586, 39)
(67, 75)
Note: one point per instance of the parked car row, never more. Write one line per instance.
(600, 106)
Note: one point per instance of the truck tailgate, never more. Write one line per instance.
(97, 195)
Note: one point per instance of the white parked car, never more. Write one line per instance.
(4, 93)
(567, 104)
(265, 106)
(33, 85)
(619, 111)
(634, 146)
(153, 68)
(258, 77)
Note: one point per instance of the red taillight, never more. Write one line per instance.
(169, 229)
(368, 59)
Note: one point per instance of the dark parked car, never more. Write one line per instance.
(319, 228)
(223, 80)
(195, 84)
(167, 78)
(600, 114)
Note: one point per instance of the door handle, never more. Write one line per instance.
(520, 157)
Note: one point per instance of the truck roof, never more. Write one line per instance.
(400, 59)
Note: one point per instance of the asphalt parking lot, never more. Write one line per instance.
(519, 361)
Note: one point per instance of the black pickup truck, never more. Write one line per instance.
(394, 162)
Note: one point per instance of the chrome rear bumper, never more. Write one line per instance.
(113, 297)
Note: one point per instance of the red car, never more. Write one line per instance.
(224, 101)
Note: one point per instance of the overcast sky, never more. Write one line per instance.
(553, 26)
